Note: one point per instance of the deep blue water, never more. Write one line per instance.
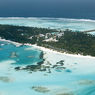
(48, 8)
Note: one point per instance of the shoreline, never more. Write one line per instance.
(54, 51)
(46, 49)
(15, 43)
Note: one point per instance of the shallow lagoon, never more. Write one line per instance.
(23, 56)
(79, 81)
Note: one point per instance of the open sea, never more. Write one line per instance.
(79, 9)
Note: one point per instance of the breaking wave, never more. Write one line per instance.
(53, 23)
(48, 18)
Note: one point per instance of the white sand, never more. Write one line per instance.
(46, 50)
(79, 63)
(15, 43)
(86, 63)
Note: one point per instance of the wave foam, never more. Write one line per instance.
(46, 18)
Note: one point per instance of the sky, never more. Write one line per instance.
(48, 8)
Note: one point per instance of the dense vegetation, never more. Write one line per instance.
(22, 34)
(71, 42)
(74, 42)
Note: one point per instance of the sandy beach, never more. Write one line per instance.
(46, 50)
(52, 55)
(15, 43)
(75, 63)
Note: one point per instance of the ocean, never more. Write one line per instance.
(79, 9)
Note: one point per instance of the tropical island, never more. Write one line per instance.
(46, 60)
(74, 42)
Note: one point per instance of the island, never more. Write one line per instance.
(68, 41)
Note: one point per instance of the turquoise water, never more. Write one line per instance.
(55, 23)
(77, 79)
(24, 56)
